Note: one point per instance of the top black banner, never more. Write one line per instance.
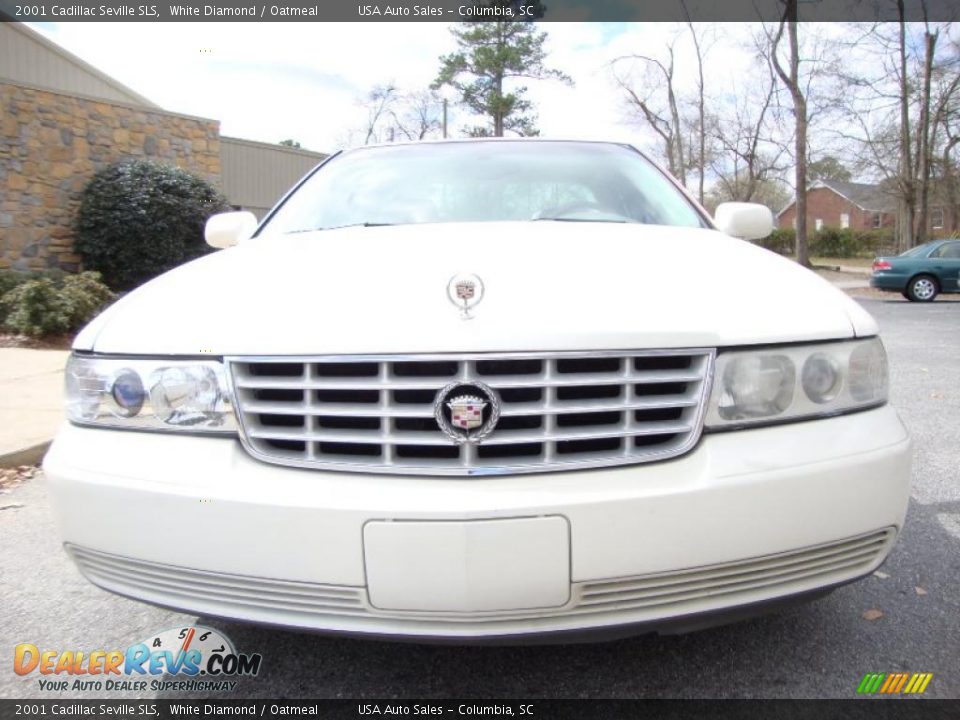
(487, 10)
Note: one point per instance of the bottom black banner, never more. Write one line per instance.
(875, 709)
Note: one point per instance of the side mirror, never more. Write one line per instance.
(747, 221)
(226, 229)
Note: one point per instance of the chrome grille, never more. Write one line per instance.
(558, 411)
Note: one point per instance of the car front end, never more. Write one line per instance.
(481, 430)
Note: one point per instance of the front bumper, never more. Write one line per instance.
(747, 517)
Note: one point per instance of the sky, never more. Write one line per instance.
(274, 81)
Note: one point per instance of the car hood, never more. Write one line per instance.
(548, 286)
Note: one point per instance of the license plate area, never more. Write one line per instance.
(468, 566)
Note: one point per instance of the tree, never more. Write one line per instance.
(767, 191)
(907, 185)
(827, 168)
(418, 114)
(791, 79)
(289, 143)
(653, 98)
(902, 106)
(701, 106)
(491, 57)
(656, 97)
(748, 157)
(378, 103)
(394, 114)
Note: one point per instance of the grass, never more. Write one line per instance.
(848, 262)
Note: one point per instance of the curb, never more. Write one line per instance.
(848, 269)
(855, 270)
(26, 456)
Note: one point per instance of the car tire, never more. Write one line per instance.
(922, 288)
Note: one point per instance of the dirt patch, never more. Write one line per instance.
(53, 342)
(839, 277)
(11, 477)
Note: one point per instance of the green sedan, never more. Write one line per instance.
(920, 273)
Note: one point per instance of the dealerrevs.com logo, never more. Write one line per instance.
(200, 658)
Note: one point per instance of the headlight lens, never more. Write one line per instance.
(796, 382)
(756, 386)
(149, 394)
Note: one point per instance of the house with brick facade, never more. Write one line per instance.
(862, 206)
(836, 204)
(63, 120)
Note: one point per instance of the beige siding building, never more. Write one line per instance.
(28, 58)
(62, 120)
(256, 174)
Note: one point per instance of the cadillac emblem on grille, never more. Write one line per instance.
(465, 291)
(467, 412)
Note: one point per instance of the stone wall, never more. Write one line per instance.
(50, 147)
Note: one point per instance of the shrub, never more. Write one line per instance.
(9, 279)
(52, 303)
(833, 242)
(36, 308)
(850, 243)
(139, 219)
(84, 297)
(781, 241)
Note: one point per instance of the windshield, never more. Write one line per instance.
(485, 182)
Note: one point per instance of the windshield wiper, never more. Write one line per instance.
(584, 220)
(359, 224)
(337, 227)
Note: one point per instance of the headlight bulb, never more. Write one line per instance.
(821, 378)
(184, 396)
(126, 393)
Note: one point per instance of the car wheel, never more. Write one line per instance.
(922, 288)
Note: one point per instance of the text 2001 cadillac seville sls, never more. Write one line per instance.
(481, 389)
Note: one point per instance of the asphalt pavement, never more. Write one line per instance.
(819, 650)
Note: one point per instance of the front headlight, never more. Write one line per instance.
(188, 395)
(795, 382)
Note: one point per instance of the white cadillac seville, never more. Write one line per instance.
(481, 390)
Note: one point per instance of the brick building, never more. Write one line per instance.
(62, 120)
(861, 206)
(836, 204)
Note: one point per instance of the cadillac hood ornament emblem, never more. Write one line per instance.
(466, 412)
(465, 290)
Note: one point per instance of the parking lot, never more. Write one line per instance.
(818, 650)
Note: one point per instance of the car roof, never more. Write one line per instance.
(461, 141)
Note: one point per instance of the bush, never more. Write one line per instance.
(10, 279)
(36, 308)
(850, 243)
(84, 296)
(139, 219)
(781, 240)
(833, 242)
(51, 304)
